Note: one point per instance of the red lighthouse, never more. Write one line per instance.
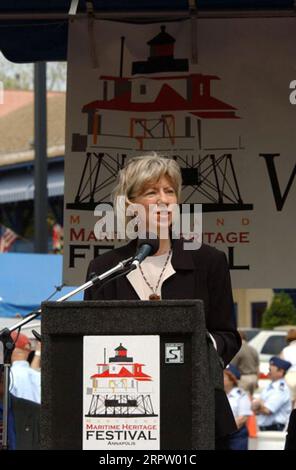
(121, 388)
(162, 45)
(161, 57)
(121, 351)
(120, 355)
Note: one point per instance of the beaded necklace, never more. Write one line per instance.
(154, 295)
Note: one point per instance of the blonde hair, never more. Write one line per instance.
(143, 170)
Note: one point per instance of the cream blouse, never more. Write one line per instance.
(151, 267)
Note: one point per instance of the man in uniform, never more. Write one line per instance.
(240, 405)
(274, 406)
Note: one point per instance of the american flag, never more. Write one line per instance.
(7, 238)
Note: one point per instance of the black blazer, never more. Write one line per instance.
(200, 274)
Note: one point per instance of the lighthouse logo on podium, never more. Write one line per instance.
(121, 393)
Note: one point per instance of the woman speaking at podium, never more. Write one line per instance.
(172, 272)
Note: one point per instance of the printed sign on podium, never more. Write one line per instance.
(121, 388)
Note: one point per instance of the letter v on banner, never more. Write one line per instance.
(278, 197)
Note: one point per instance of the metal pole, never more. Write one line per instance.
(40, 167)
(153, 15)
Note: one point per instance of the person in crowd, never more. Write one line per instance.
(289, 354)
(172, 272)
(240, 405)
(23, 422)
(274, 405)
(25, 381)
(247, 362)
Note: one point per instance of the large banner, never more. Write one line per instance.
(227, 118)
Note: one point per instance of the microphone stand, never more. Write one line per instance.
(8, 344)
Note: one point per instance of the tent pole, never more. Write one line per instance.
(151, 15)
(40, 167)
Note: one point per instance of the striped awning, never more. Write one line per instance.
(19, 186)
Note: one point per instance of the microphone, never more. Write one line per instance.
(37, 335)
(146, 247)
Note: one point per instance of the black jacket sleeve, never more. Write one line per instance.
(221, 321)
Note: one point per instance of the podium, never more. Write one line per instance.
(186, 383)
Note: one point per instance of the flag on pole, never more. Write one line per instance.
(7, 238)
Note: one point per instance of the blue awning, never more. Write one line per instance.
(17, 186)
(28, 279)
(34, 30)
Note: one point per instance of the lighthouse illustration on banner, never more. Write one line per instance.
(161, 104)
(120, 388)
(121, 393)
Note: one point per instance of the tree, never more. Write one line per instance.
(56, 76)
(21, 76)
(15, 76)
(281, 312)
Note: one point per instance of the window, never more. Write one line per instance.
(187, 126)
(105, 91)
(257, 309)
(143, 89)
(274, 345)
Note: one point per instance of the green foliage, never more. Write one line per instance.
(21, 76)
(15, 76)
(281, 312)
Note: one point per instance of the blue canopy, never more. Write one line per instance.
(28, 279)
(34, 30)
